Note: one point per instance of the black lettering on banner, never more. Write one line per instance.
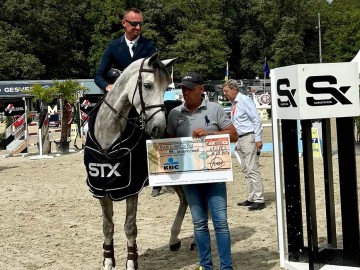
(285, 93)
(337, 94)
(171, 167)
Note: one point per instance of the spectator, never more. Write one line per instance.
(249, 128)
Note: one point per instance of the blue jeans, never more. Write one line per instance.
(200, 197)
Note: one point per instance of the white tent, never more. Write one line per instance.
(357, 59)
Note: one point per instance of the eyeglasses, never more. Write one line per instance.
(226, 90)
(134, 24)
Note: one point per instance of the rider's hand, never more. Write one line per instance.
(109, 87)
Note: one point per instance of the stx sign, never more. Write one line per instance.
(313, 91)
(103, 170)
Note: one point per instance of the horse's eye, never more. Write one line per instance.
(147, 86)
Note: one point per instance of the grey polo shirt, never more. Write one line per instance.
(209, 116)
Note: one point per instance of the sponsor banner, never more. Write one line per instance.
(14, 107)
(316, 146)
(74, 130)
(315, 91)
(179, 161)
(17, 89)
(264, 99)
(88, 102)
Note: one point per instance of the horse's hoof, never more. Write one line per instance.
(175, 247)
(155, 192)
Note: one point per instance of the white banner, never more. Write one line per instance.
(179, 161)
(315, 91)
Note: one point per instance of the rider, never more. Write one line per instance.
(121, 52)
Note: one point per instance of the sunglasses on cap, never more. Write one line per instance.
(134, 24)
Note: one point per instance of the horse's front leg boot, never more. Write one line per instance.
(109, 253)
(132, 255)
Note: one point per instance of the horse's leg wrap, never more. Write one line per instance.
(109, 252)
(132, 255)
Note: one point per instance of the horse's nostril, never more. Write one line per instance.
(155, 131)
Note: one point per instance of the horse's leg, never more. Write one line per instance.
(108, 230)
(174, 241)
(130, 228)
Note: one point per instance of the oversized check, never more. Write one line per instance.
(179, 161)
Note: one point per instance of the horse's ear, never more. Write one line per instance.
(169, 62)
(153, 58)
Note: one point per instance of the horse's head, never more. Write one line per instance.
(147, 92)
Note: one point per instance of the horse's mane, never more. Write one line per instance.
(161, 73)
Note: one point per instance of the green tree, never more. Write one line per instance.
(53, 39)
(17, 56)
(341, 34)
(68, 91)
(288, 46)
(55, 34)
(105, 17)
(237, 22)
(195, 36)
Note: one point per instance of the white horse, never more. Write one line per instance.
(133, 107)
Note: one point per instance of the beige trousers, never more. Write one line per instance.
(246, 148)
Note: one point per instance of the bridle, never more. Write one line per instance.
(143, 119)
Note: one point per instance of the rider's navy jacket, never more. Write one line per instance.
(117, 55)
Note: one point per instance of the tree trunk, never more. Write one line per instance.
(65, 117)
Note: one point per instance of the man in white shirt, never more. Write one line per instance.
(247, 122)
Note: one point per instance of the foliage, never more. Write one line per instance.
(198, 41)
(8, 121)
(45, 39)
(2, 140)
(341, 31)
(105, 17)
(68, 91)
(205, 49)
(16, 55)
(40, 92)
(288, 45)
(53, 39)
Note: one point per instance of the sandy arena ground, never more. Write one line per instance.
(49, 220)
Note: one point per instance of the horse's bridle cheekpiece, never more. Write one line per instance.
(142, 117)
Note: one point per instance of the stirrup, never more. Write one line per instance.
(132, 255)
(109, 252)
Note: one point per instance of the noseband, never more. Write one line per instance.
(142, 117)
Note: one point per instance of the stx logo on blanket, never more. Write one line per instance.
(100, 169)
